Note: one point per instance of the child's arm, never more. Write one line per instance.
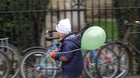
(64, 59)
(65, 56)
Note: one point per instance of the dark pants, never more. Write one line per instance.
(69, 77)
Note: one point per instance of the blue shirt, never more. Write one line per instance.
(73, 67)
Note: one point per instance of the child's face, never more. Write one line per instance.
(61, 35)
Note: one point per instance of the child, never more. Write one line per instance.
(72, 63)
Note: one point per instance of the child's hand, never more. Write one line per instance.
(53, 53)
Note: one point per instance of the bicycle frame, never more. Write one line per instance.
(94, 55)
(54, 47)
(41, 65)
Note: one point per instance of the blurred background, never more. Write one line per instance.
(25, 22)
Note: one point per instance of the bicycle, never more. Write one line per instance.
(4, 65)
(38, 60)
(13, 54)
(31, 61)
(123, 48)
(102, 56)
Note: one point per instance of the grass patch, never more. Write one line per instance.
(110, 27)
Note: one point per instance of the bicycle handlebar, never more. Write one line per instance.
(51, 38)
(51, 31)
(50, 34)
(131, 24)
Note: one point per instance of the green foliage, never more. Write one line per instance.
(124, 10)
(23, 5)
(22, 22)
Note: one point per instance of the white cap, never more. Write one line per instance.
(64, 26)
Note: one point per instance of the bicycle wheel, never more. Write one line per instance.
(30, 62)
(106, 63)
(89, 65)
(4, 65)
(124, 56)
(14, 56)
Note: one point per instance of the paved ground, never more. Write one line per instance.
(133, 76)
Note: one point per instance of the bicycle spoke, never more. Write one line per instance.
(4, 65)
(124, 58)
(32, 68)
(106, 63)
(89, 65)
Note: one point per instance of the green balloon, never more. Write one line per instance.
(93, 38)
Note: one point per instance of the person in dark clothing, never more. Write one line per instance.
(72, 62)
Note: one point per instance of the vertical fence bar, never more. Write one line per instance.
(78, 13)
(112, 21)
(105, 17)
(58, 12)
(92, 11)
(51, 17)
(99, 12)
(71, 12)
(64, 5)
(85, 12)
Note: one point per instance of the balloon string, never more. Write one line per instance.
(69, 51)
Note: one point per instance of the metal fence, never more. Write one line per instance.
(24, 22)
